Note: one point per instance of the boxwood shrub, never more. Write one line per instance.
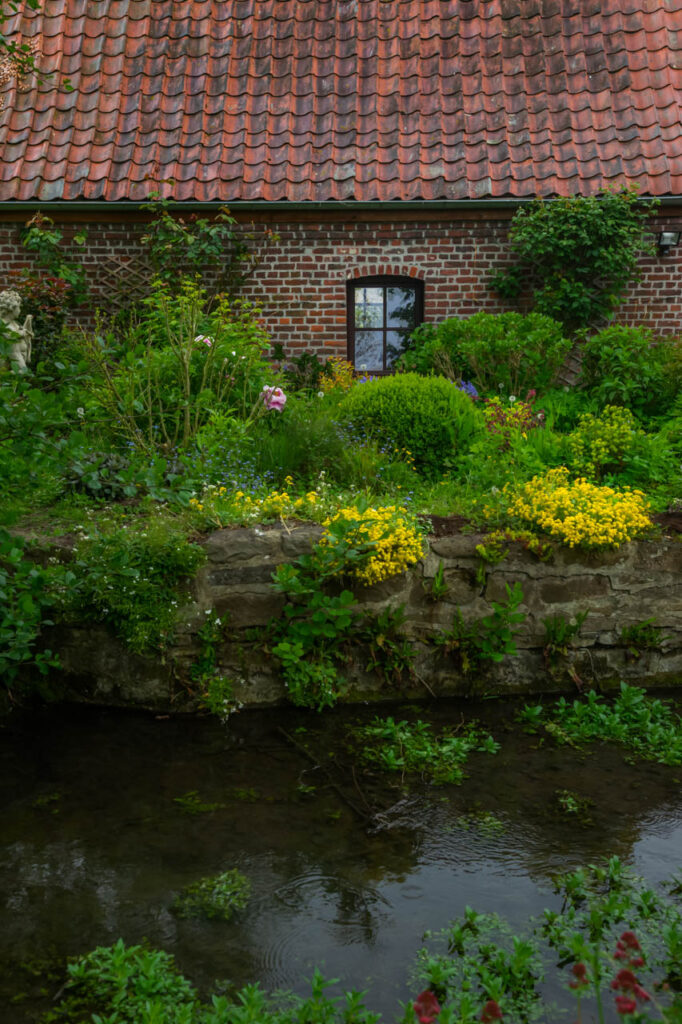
(429, 417)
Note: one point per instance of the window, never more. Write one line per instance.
(382, 313)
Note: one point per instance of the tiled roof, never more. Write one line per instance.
(314, 100)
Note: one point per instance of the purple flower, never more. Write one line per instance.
(468, 388)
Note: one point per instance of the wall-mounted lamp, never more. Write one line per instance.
(666, 240)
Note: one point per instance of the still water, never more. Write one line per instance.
(348, 870)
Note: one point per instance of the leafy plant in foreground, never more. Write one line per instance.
(135, 985)
(610, 939)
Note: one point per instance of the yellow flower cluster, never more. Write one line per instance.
(275, 505)
(338, 374)
(222, 505)
(598, 441)
(581, 514)
(395, 539)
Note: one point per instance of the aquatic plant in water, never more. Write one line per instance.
(645, 725)
(401, 747)
(217, 896)
(615, 944)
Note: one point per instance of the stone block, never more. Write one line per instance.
(243, 545)
(573, 589)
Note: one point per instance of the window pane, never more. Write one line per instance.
(395, 345)
(369, 307)
(369, 350)
(401, 307)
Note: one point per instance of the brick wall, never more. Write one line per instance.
(300, 282)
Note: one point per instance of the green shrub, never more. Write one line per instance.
(24, 599)
(130, 582)
(181, 363)
(503, 352)
(426, 416)
(601, 442)
(625, 366)
(577, 255)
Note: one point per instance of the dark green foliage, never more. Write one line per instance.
(490, 638)
(180, 246)
(560, 633)
(426, 416)
(610, 932)
(391, 653)
(130, 581)
(107, 475)
(132, 985)
(301, 373)
(24, 602)
(58, 285)
(402, 747)
(642, 636)
(577, 255)
(644, 725)
(218, 896)
(506, 352)
(115, 476)
(626, 366)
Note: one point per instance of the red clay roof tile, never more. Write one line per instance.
(334, 99)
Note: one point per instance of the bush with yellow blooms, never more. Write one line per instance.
(389, 538)
(579, 513)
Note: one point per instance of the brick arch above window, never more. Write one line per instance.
(385, 270)
(382, 312)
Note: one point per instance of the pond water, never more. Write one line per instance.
(348, 869)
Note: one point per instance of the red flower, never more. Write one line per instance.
(580, 979)
(629, 939)
(426, 1007)
(491, 1011)
(625, 1005)
(625, 979)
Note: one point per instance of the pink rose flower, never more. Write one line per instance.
(274, 398)
(202, 339)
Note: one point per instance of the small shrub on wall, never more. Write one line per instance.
(429, 417)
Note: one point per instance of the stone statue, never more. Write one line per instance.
(20, 337)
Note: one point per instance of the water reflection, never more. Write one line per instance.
(95, 845)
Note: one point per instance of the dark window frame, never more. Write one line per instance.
(383, 281)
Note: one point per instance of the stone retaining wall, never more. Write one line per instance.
(620, 588)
